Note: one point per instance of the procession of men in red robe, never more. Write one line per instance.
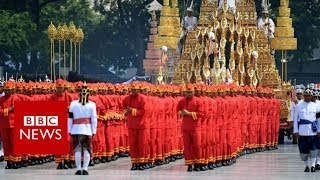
(209, 125)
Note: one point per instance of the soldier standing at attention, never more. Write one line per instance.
(305, 128)
(82, 126)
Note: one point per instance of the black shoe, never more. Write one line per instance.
(71, 165)
(307, 169)
(189, 168)
(317, 167)
(134, 167)
(158, 163)
(15, 166)
(9, 165)
(97, 161)
(196, 168)
(84, 172)
(211, 167)
(152, 165)
(78, 172)
(24, 164)
(313, 169)
(103, 160)
(60, 166)
(91, 163)
(214, 165)
(141, 167)
(202, 168)
(65, 166)
(108, 159)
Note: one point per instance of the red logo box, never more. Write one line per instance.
(41, 128)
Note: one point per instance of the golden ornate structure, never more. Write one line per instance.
(237, 36)
(169, 29)
(62, 34)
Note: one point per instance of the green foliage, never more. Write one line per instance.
(116, 31)
(15, 32)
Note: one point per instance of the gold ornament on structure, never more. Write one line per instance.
(65, 31)
(60, 35)
(284, 22)
(284, 32)
(284, 12)
(80, 35)
(52, 31)
(284, 43)
(72, 32)
(284, 3)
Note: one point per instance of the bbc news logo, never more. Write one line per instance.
(39, 133)
(41, 128)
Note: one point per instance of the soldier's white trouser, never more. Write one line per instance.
(86, 158)
(313, 158)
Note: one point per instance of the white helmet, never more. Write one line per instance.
(255, 54)
(212, 36)
(164, 48)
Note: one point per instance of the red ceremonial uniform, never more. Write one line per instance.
(191, 127)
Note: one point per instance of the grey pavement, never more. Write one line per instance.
(283, 164)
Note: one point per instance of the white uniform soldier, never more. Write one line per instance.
(82, 126)
(189, 23)
(305, 128)
(316, 100)
(231, 5)
(295, 103)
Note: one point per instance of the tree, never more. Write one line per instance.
(14, 34)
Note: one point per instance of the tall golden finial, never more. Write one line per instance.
(80, 37)
(65, 34)
(72, 33)
(52, 35)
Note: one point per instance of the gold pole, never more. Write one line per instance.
(64, 59)
(79, 60)
(286, 72)
(51, 54)
(54, 66)
(282, 67)
(71, 45)
(75, 56)
(59, 56)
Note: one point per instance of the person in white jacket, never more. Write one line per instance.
(306, 128)
(82, 126)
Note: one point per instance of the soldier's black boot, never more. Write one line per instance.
(307, 169)
(317, 167)
(196, 167)
(313, 169)
(189, 168)
(210, 166)
(91, 163)
(60, 166)
(65, 164)
(84, 172)
(78, 172)
(108, 159)
(134, 167)
(9, 165)
(103, 160)
(141, 167)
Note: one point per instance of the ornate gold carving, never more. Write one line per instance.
(284, 22)
(165, 11)
(170, 42)
(284, 43)
(284, 32)
(284, 3)
(284, 12)
(166, 30)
